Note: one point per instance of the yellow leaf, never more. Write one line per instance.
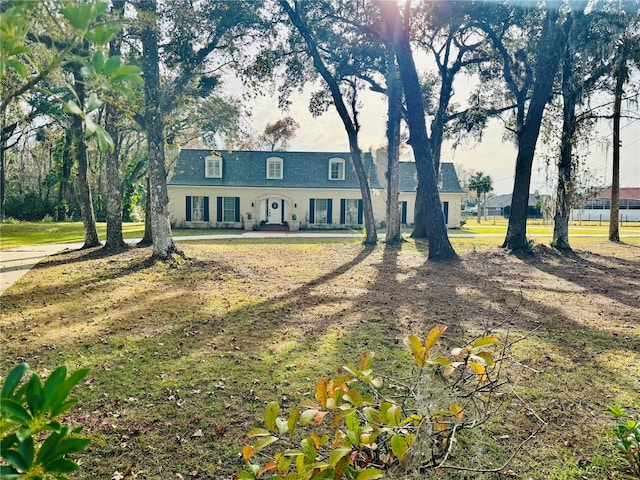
(321, 392)
(433, 336)
(457, 411)
(247, 452)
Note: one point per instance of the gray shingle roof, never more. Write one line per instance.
(243, 168)
(448, 180)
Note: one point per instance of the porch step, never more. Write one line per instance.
(272, 227)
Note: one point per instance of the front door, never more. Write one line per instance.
(274, 210)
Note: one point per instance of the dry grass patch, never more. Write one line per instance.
(185, 357)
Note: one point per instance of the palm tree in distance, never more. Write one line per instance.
(481, 184)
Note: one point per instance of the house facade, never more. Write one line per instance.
(245, 189)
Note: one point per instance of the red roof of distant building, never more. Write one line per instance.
(633, 193)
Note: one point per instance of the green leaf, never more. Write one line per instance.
(13, 379)
(97, 60)
(61, 465)
(399, 446)
(71, 107)
(90, 127)
(270, 414)
(18, 66)
(263, 442)
(16, 459)
(338, 454)
(126, 73)
(370, 474)
(112, 65)
(27, 451)
(34, 395)
(244, 475)
(482, 341)
(52, 386)
(105, 142)
(93, 103)
(393, 415)
(258, 432)
(102, 34)
(10, 473)
(291, 422)
(78, 16)
(484, 357)
(354, 397)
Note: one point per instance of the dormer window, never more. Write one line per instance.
(336, 169)
(274, 168)
(213, 167)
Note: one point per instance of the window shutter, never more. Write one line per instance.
(206, 209)
(360, 212)
(237, 219)
(343, 205)
(312, 210)
(445, 208)
(404, 213)
(188, 213)
(329, 211)
(219, 209)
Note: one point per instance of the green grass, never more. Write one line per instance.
(35, 233)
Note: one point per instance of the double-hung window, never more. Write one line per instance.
(197, 209)
(274, 168)
(213, 167)
(228, 209)
(350, 211)
(320, 210)
(336, 169)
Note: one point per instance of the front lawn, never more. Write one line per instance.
(184, 357)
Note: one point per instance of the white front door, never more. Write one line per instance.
(274, 210)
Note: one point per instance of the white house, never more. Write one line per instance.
(293, 190)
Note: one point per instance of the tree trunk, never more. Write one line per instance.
(147, 239)
(394, 95)
(551, 46)
(565, 189)
(79, 149)
(3, 121)
(439, 245)
(478, 213)
(163, 245)
(351, 126)
(112, 159)
(620, 74)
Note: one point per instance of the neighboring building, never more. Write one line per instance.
(244, 189)
(598, 207)
(497, 205)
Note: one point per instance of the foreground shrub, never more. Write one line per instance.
(33, 442)
(361, 427)
(627, 438)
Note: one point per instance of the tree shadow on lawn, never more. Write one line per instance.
(613, 277)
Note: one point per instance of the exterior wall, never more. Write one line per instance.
(252, 204)
(454, 200)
